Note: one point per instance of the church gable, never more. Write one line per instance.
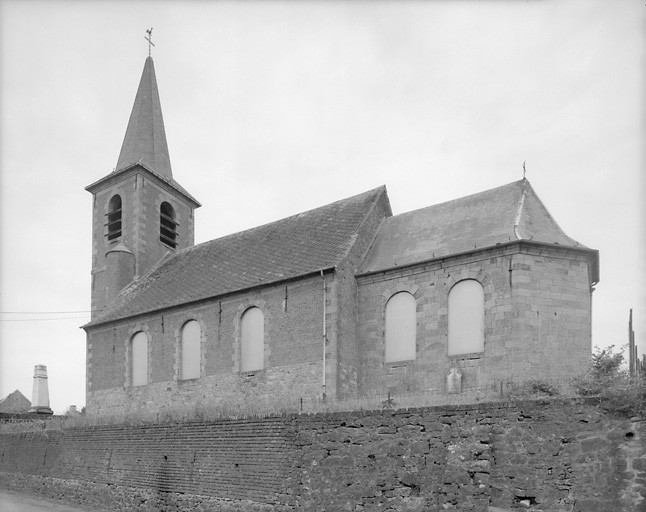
(306, 243)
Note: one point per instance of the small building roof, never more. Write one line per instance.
(501, 215)
(15, 402)
(311, 241)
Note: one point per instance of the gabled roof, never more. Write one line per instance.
(145, 140)
(501, 215)
(15, 402)
(311, 241)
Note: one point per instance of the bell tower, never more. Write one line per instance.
(140, 213)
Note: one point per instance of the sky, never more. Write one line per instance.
(272, 108)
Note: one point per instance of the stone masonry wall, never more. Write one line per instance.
(563, 456)
(536, 325)
(529, 456)
(293, 350)
(347, 354)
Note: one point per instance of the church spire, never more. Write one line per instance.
(145, 140)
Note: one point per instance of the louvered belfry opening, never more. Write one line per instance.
(167, 225)
(114, 218)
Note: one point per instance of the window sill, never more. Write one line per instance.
(251, 373)
(470, 355)
(396, 364)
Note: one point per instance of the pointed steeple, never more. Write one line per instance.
(145, 140)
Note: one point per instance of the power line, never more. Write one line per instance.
(42, 312)
(42, 319)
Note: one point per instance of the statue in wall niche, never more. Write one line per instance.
(454, 380)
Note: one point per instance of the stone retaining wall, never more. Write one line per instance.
(556, 456)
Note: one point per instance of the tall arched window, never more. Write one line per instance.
(114, 218)
(139, 359)
(401, 327)
(167, 225)
(466, 318)
(252, 340)
(190, 350)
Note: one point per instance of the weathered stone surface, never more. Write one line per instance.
(318, 463)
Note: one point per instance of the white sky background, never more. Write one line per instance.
(273, 108)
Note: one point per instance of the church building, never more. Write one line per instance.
(345, 300)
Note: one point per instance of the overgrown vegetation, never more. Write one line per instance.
(618, 391)
(532, 389)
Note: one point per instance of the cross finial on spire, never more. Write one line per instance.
(149, 39)
(524, 170)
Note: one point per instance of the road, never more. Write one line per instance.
(12, 502)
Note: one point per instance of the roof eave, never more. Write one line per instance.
(93, 186)
(594, 274)
(98, 322)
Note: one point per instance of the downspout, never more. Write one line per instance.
(324, 331)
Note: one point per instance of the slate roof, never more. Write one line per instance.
(145, 139)
(500, 215)
(144, 144)
(299, 245)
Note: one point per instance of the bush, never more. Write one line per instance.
(618, 391)
(531, 389)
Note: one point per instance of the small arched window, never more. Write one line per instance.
(190, 350)
(401, 327)
(252, 340)
(466, 318)
(139, 359)
(167, 225)
(114, 218)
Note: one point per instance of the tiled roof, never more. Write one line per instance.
(500, 215)
(298, 245)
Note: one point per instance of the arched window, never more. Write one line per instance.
(114, 218)
(167, 225)
(466, 318)
(252, 340)
(139, 359)
(401, 327)
(190, 350)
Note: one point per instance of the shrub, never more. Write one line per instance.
(618, 392)
(531, 389)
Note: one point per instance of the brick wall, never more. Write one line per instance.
(241, 460)
(537, 325)
(537, 319)
(293, 351)
(561, 455)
